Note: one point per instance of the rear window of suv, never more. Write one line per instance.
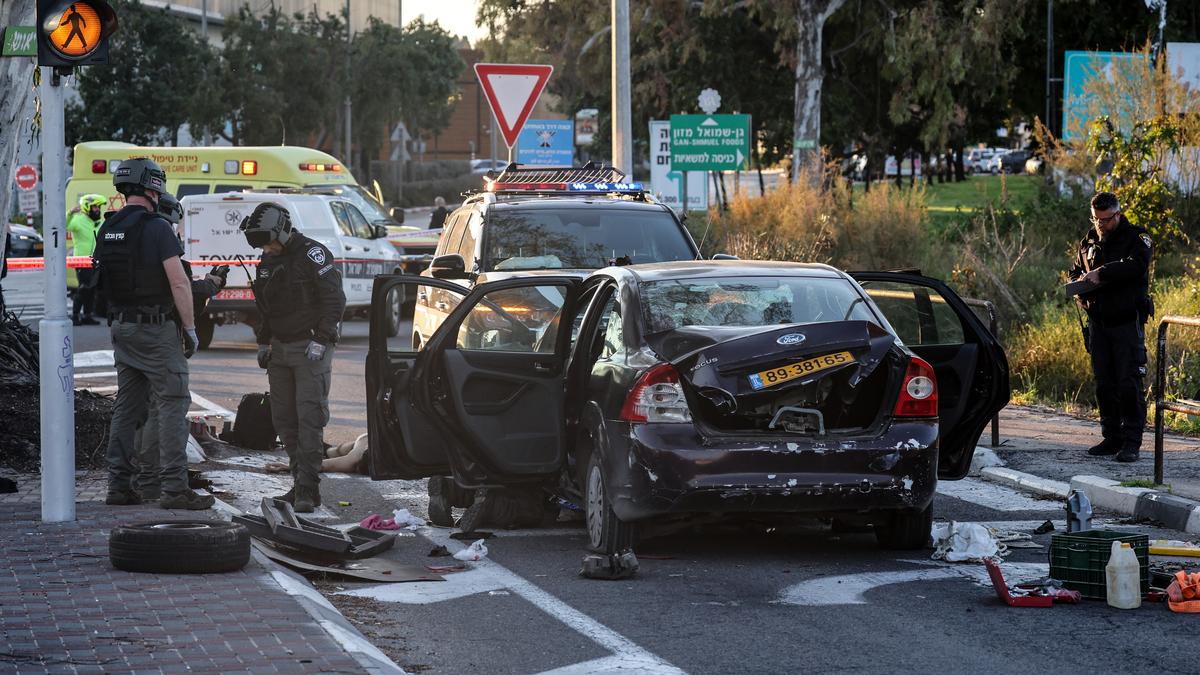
(585, 238)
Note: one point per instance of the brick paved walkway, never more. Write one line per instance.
(63, 608)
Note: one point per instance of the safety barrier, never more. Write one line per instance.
(994, 327)
(1185, 406)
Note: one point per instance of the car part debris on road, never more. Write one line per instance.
(1045, 528)
(1039, 594)
(476, 551)
(179, 547)
(611, 567)
(281, 527)
(372, 569)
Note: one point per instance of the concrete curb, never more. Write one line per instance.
(1173, 512)
(333, 622)
(1026, 482)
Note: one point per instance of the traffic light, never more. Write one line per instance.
(74, 33)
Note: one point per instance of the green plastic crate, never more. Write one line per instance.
(1078, 559)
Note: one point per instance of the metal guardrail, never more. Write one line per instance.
(994, 327)
(1185, 406)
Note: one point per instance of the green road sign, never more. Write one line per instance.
(709, 142)
(20, 41)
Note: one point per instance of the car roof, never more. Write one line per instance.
(698, 269)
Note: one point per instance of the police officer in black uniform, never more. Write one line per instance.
(146, 481)
(298, 291)
(1114, 261)
(153, 334)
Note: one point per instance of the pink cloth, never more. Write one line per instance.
(378, 522)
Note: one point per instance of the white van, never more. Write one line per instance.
(211, 230)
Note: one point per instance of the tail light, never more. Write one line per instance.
(657, 396)
(918, 394)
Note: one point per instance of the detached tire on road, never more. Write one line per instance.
(905, 530)
(180, 547)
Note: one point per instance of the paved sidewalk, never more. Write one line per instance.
(1048, 443)
(64, 608)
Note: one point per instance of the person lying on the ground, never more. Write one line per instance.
(343, 458)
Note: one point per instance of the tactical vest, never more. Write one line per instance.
(125, 277)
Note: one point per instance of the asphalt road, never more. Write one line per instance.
(718, 599)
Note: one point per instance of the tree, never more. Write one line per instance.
(799, 25)
(16, 81)
(158, 78)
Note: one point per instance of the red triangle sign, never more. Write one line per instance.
(512, 89)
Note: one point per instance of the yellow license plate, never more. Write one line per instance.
(774, 376)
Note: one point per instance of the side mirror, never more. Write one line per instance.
(380, 231)
(449, 266)
(397, 214)
(725, 256)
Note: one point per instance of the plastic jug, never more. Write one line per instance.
(1123, 575)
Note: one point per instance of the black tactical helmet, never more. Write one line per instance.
(268, 222)
(135, 176)
(170, 208)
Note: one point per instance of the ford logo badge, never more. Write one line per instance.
(791, 339)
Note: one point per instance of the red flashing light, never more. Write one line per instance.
(99, 166)
(249, 168)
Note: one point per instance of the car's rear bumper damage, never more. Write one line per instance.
(670, 469)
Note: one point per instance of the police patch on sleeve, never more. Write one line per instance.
(1146, 240)
(317, 255)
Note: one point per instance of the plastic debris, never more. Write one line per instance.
(1045, 528)
(405, 519)
(472, 553)
(963, 542)
(343, 503)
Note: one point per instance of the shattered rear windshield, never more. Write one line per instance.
(750, 301)
(536, 239)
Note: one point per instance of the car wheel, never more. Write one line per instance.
(905, 530)
(440, 512)
(204, 330)
(394, 313)
(179, 547)
(607, 534)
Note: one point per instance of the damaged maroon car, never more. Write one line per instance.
(676, 390)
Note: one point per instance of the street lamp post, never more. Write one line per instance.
(348, 155)
(622, 108)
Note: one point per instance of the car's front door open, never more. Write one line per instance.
(971, 368)
(404, 442)
(495, 380)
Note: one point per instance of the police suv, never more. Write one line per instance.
(361, 249)
(538, 221)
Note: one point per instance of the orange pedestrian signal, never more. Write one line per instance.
(74, 33)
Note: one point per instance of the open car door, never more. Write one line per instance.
(405, 443)
(971, 368)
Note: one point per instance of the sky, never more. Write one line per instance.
(456, 16)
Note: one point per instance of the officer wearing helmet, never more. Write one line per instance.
(148, 463)
(82, 224)
(153, 334)
(298, 291)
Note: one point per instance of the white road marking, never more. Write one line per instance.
(490, 575)
(96, 359)
(96, 376)
(851, 589)
(457, 585)
(997, 497)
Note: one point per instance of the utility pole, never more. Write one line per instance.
(622, 108)
(207, 138)
(1049, 63)
(57, 353)
(348, 154)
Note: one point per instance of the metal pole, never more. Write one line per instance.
(492, 135)
(57, 360)
(622, 107)
(348, 155)
(204, 19)
(1049, 58)
(1160, 386)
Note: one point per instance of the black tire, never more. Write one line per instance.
(395, 311)
(180, 547)
(440, 503)
(204, 330)
(607, 534)
(905, 530)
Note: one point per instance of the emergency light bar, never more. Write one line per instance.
(593, 188)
